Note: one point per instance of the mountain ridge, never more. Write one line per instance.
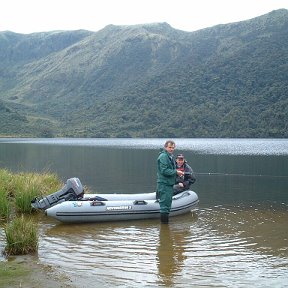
(123, 81)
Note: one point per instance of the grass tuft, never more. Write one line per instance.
(21, 236)
(31, 185)
(16, 193)
(5, 193)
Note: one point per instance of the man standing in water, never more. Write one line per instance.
(166, 177)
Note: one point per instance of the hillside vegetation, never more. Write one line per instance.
(147, 81)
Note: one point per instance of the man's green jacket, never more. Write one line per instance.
(166, 169)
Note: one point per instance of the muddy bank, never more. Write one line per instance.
(27, 272)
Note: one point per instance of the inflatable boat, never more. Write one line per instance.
(71, 205)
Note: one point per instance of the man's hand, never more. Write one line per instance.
(180, 173)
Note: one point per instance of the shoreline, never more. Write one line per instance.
(25, 271)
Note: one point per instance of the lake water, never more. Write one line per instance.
(237, 238)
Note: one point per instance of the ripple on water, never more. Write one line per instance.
(223, 247)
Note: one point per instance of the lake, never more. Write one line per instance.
(237, 238)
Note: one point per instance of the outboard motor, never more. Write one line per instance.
(72, 190)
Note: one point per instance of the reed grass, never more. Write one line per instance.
(31, 185)
(22, 188)
(21, 236)
(6, 181)
(5, 205)
(5, 189)
(16, 193)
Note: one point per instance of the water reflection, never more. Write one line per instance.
(224, 246)
(113, 254)
(221, 179)
(223, 146)
(170, 253)
(262, 229)
(238, 240)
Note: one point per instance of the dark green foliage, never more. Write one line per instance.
(148, 81)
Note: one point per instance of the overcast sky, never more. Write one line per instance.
(28, 16)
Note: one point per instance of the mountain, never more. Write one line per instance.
(147, 81)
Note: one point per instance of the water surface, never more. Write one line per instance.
(237, 238)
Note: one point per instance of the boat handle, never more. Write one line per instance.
(96, 203)
(140, 202)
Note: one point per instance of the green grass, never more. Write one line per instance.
(12, 273)
(5, 188)
(30, 185)
(21, 236)
(19, 189)
(16, 193)
(4, 204)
